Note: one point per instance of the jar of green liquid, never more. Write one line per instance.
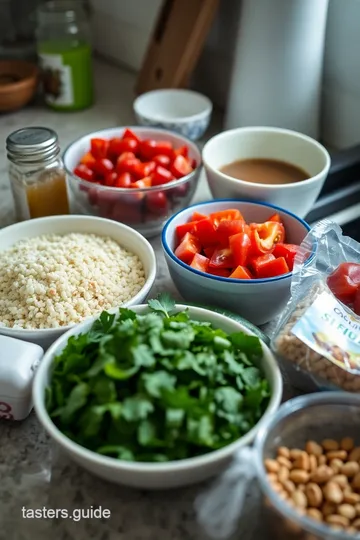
(64, 50)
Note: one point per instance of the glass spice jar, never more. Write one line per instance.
(65, 54)
(36, 172)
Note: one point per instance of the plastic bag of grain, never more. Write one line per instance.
(318, 335)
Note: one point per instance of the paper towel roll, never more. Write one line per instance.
(277, 71)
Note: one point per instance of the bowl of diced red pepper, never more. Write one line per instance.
(235, 254)
(139, 176)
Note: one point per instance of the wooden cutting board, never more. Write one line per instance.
(176, 44)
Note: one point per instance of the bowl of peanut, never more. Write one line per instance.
(308, 464)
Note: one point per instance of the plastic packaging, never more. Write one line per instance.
(318, 337)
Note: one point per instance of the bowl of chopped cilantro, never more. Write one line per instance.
(156, 396)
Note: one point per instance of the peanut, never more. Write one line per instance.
(271, 465)
(313, 448)
(333, 493)
(347, 510)
(351, 498)
(357, 508)
(312, 463)
(355, 454)
(336, 465)
(330, 444)
(322, 474)
(295, 453)
(284, 452)
(284, 462)
(314, 513)
(356, 481)
(298, 476)
(350, 469)
(283, 474)
(314, 495)
(299, 499)
(302, 462)
(272, 477)
(322, 460)
(341, 480)
(347, 443)
(337, 520)
(289, 486)
(336, 454)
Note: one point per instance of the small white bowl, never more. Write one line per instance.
(123, 235)
(258, 300)
(184, 111)
(154, 475)
(267, 143)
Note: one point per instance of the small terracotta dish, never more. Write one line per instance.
(18, 84)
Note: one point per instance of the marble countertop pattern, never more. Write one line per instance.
(32, 472)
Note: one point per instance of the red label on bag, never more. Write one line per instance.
(5, 411)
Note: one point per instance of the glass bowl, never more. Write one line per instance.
(330, 415)
(144, 209)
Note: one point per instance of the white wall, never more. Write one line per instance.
(122, 28)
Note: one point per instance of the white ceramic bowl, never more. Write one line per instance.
(154, 475)
(258, 300)
(125, 236)
(184, 111)
(270, 143)
(130, 206)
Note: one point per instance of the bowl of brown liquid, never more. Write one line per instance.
(267, 164)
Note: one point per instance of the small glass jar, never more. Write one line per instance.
(37, 175)
(64, 50)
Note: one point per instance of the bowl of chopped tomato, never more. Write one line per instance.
(138, 176)
(234, 254)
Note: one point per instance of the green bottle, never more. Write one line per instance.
(65, 54)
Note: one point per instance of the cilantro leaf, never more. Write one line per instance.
(158, 381)
(162, 304)
(136, 408)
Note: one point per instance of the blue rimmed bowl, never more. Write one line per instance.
(258, 300)
(184, 111)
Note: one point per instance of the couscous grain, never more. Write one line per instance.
(54, 280)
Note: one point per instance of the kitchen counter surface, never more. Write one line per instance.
(32, 473)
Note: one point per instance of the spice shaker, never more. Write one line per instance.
(18, 362)
(64, 50)
(37, 174)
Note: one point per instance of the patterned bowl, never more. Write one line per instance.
(183, 111)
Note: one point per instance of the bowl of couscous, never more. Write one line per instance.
(58, 271)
